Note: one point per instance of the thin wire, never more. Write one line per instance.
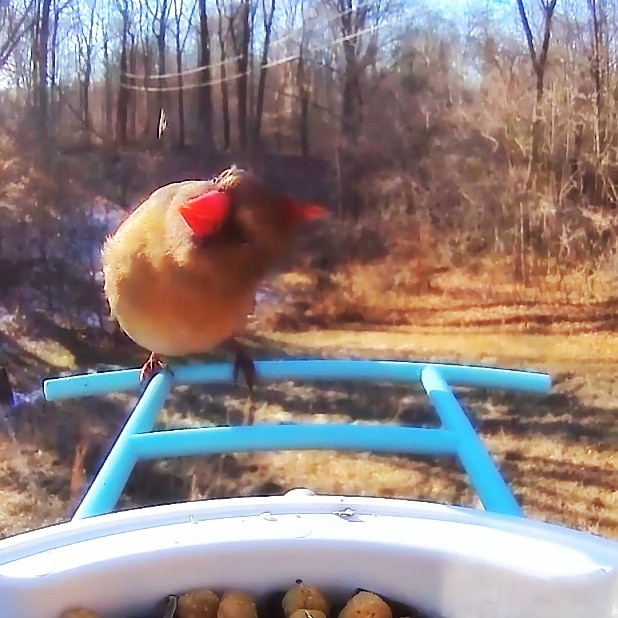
(234, 77)
(231, 59)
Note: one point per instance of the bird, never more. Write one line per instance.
(181, 272)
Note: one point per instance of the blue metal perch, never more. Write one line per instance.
(137, 440)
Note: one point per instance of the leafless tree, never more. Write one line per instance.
(125, 8)
(223, 31)
(86, 35)
(205, 92)
(268, 16)
(180, 41)
(159, 14)
(14, 24)
(240, 32)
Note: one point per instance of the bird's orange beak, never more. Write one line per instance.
(205, 213)
(308, 212)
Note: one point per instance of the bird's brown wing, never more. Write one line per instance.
(167, 294)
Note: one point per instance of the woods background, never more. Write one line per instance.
(478, 136)
(469, 155)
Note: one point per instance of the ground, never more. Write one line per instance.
(559, 452)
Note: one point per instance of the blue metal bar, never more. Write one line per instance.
(107, 486)
(137, 440)
(310, 369)
(476, 460)
(305, 436)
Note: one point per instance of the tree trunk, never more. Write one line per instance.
(180, 47)
(597, 46)
(132, 94)
(259, 108)
(225, 100)
(181, 94)
(205, 92)
(538, 62)
(43, 49)
(352, 101)
(160, 35)
(303, 90)
(351, 21)
(53, 74)
(147, 132)
(87, 118)
(241, 39)
(122, 102)
(108, 86)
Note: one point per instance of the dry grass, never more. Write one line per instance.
(559, 452)
(422, 288)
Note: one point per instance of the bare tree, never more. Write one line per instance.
(42, 54)
(122, 103)
(151, 90)
(225, 99)
(14, 25)
(180, 43)
(598, 23)
(86, 32)
(160, 16)
(539, 63)
(240, 31)
(302, 80)
(133, 99)
(352, 19)
(205, 92)
(259, 110)
(57, 8)
(109, 92)
(538, 59)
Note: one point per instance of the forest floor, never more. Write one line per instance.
(559, 451)
(386, 297)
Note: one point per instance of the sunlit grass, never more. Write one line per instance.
(558, 452)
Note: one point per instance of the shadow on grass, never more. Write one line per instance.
(534, 317)
(561, 417)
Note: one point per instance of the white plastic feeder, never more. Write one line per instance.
(450, 562)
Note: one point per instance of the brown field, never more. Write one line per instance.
(559, 452)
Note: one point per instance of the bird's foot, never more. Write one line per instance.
(244, 364)
(153, 365)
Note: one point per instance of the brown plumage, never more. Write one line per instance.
(181, 272)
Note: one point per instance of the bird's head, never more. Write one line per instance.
(217, 209)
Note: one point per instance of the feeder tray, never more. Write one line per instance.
(446, 561)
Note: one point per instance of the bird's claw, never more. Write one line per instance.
(152, 366)
(244, 363)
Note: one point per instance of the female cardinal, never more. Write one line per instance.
(181, 272)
